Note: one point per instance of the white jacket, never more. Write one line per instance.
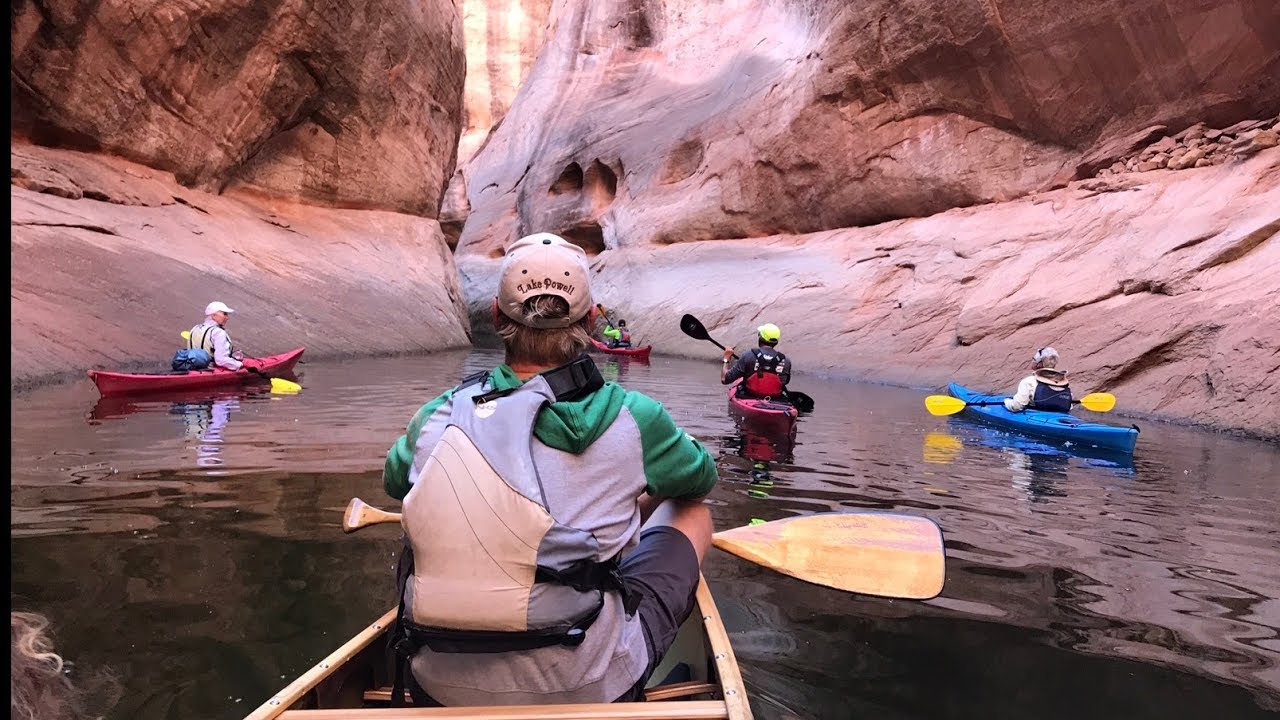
(1027, 387)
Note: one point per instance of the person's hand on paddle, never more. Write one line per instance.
(728, 353)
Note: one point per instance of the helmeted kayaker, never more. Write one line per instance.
(765, 372)
(553, 522)
(620, 336)
(212, 337)
(1044, 389)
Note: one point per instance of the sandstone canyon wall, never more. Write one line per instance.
(288, 158)
(663, 136)
(503, 39)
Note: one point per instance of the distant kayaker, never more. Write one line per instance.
(554, 523)
(1044, 389)
(211, 336)
(764, 370)
(620, 336)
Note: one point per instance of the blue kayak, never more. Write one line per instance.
(1055, 425)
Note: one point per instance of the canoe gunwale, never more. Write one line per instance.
(732, 704)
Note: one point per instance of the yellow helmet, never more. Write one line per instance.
(769, 333)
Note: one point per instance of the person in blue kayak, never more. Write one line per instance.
(554, 524)
(1044, 389)
(765, 372)
(620, 336)
(211, 336)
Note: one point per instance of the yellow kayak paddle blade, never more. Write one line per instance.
(280, 385)
(186, 334)
(943, 405)
(883, 554)
(1098, 402)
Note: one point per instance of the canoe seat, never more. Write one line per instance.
(654, 694)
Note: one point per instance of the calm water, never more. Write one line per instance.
(191, 545)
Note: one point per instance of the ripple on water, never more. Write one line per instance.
(1130, 576)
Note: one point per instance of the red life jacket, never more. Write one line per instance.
(764, 380)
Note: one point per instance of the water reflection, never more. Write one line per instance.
(1151, 581)
(941, 448)
(1000, 439)
(202, 415)
(204, 422)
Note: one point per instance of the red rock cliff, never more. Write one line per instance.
(651, 123)
(288, 158)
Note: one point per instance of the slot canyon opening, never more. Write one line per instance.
(588, 236)
(602, 180)
(570, 180)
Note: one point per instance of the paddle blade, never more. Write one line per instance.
(186, 334)
(1099, 402)
(882, 554)
(359, 515)
(943, 405)
(803, 402)
(691, 326)
(285, 386)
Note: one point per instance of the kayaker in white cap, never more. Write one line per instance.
(211, 336)
(554, 523)
(1044, 389)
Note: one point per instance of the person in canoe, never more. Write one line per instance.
(764, 370)
(1045, 388)
(211, 336)
(554, 524)
(620, 336)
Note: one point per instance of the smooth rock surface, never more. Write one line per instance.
(1160, 287)
(332, 102)
(669, 121)
(112, 260)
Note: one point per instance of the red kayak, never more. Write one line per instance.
(114, 383)
(641, 353)
(769, 415)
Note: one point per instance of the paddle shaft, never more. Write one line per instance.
(870, 553)
(985, 403)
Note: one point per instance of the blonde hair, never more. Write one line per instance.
(552, 346)
(38, 689)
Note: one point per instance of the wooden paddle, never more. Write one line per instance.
(947, 405)
(696, 330)
(277, 384)
(883, 554)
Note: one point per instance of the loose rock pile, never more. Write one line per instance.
(1200, 146)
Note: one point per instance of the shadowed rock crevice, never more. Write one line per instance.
(570, 180)
(601, 183)
(588, 236)
(1242, 247)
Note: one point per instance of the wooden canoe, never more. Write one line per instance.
(354, 683)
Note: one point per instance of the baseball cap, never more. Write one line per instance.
(769, 332)
(544, 264)
(1044, 353)
(217, 306)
